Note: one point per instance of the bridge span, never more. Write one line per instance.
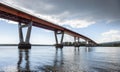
(25, 19)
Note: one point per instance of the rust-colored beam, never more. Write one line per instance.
(14, 14)
(24, 15)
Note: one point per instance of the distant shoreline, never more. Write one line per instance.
(32, 45)
(54, 45)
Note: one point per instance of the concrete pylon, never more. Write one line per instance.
(76, 41)
(59, 44)
(24, 43)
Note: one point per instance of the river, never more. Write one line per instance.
(69, 59)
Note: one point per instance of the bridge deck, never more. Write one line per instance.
(14, 14)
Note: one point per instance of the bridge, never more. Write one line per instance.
(25, 19)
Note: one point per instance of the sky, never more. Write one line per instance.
(96, 19)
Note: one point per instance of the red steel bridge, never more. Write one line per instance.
(25, 19)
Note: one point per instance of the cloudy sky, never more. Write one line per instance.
(96, 19)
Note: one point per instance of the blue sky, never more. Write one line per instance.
(98, 20)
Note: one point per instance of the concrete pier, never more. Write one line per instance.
(59, 46)
(24, 46)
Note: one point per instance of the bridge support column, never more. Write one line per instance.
(76, 41)
(90, 43)
(59, 44)
(24, 43)
(87, 42)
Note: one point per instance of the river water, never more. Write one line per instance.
(69, 59)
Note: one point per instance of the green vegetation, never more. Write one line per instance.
(111, 44)
(74, 43)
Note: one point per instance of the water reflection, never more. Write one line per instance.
(88, 49)
(57, 63)
(58, 59)
(23, 58)
(76, 50)
(68, 59)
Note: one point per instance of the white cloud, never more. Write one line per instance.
(111, 32)
(2, 19)
(68, 38)
(48, 31)
(77, 23)
(12, 22)
(7, 1)
(48, 6)
(8, 21)
(5, 39)
(48, 18)
(74, 23)
(111, 20)
(111, 35)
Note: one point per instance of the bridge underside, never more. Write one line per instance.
(27, 20)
